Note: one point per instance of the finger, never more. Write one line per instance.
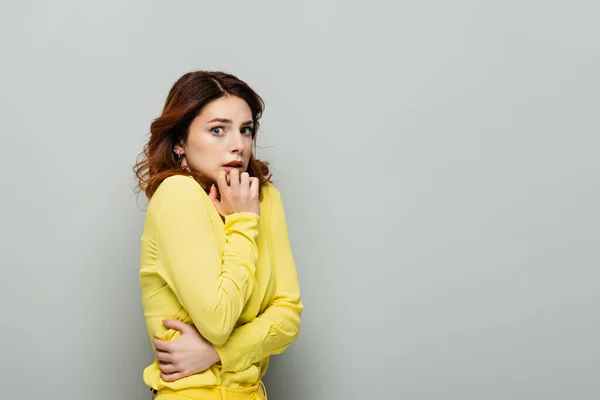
(254, 186)
(212, 193)
(172, 377)
(213, 197)
(176, 324)
(222, 182)
(244, 185)
(164, 357)
(234, 177)
(167, 368)
(161, 345)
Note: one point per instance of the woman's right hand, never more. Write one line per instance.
(239, 195)
(187, 355)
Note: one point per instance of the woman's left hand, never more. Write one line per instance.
(186, 355)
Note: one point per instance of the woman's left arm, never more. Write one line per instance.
(268, 334)
(278, 326)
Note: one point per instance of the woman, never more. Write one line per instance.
(219, 285)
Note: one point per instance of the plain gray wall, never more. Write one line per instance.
(439, 164)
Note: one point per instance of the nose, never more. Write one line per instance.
(237, 143)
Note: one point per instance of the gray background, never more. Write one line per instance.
(438, 163)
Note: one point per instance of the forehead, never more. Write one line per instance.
(230, 107)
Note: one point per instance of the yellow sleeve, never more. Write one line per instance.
(278, 326)
(213, 290)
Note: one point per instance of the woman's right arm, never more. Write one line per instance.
(213, 290)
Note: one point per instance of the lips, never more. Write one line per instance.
(234, 164)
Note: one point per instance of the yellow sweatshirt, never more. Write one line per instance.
(236, 281)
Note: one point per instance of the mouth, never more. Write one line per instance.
(234, 164)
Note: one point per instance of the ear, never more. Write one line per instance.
(178, 149)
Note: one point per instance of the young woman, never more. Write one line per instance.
(219, 285)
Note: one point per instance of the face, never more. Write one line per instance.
(219, 138)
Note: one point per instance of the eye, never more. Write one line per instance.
(247, 130)
(217, 130)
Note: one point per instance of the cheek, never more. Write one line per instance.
(249, 144)
(201, 146)
(203, 154)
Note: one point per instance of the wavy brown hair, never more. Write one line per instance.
(185, 101)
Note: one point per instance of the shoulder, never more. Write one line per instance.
(178, 184)
(273, 204)
(177, 191)
(270, 193)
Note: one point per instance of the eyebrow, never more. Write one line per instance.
(228, 121)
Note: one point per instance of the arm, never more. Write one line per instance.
(213, 290)
(278, 326)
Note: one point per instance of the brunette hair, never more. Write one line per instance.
(185, 101)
